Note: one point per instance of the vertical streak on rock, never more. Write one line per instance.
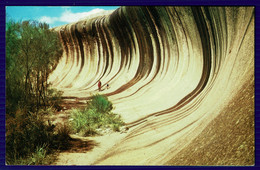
(81, 49)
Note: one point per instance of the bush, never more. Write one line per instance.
(97, 114)
(47, 111)
(100, 103)
(84, 120)
(39, 157)
(24, 133)
(61, 140)
(28, 138)
(54, 98)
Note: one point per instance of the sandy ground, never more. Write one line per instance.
(86, 150)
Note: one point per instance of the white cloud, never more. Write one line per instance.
(48, 20)
(67, 16)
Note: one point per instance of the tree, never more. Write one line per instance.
(31, 51)
(14, 71)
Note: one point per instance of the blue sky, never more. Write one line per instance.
(53, 15)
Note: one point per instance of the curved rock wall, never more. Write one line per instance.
(171, 70)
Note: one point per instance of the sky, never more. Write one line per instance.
(53, 15)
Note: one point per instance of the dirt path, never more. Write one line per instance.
(86, 150)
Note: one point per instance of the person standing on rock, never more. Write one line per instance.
(99, 85)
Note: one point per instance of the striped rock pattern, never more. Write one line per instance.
(171, 70)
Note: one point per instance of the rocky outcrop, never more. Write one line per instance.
(171, 71)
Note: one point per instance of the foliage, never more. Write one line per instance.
(61, 140)
(32, 50)
(54, 98)
(96, 115)
(39, 157)
(100, 103)
(28, 136)
(47, 111)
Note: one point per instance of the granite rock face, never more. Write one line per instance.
(170, 70)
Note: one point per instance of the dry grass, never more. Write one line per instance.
(228, 139)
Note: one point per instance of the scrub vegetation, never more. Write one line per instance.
(97, 116)
(32, 52)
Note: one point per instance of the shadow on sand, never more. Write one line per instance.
(80, 145)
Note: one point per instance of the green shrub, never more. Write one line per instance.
(100, 103)
(39, 157)
(36, 158)
(84, 120)
(79, 120)
(96, 115)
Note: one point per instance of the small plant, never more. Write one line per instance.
(61, 140)
(47, 111)
(38, 157)
(100, 103)
(54, 98)
(116, 127)
(96, 115)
